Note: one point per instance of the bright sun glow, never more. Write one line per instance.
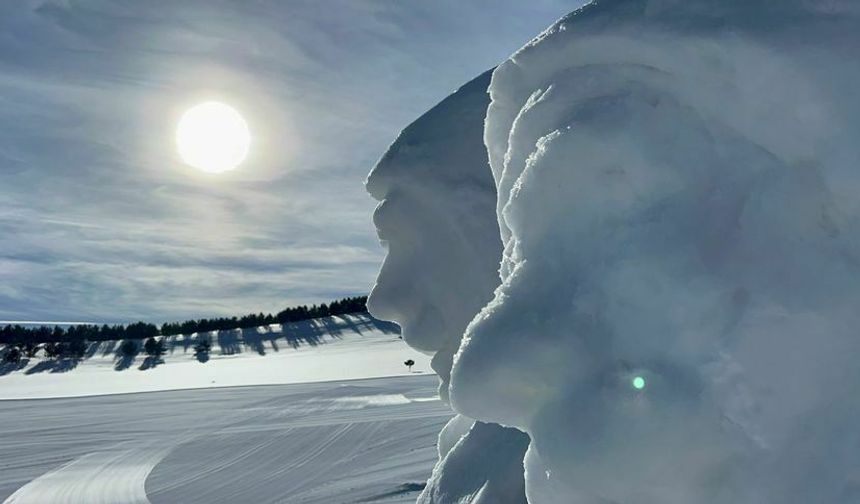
(213, 137)
(639, 383)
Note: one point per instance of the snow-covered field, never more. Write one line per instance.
(322, 417)
(328, 443)
(334, 348)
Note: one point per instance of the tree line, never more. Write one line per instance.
(26, 338)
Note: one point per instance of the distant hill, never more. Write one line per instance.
(330, 348)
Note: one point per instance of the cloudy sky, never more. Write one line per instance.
(101, 221)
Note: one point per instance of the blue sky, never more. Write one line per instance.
(99, 219)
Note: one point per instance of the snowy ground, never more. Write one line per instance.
(327, 349)
(311, 413)
(328, 443)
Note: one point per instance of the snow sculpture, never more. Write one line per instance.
(678, 188)
(437, 218)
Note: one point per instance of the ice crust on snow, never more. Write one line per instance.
(677, 198)
(437, 218)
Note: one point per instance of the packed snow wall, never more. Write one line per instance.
(437, 219)
(677, 320)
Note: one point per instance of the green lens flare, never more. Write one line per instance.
(639, 383)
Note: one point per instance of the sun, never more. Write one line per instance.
(213, 137)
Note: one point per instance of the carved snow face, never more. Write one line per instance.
(437, 218)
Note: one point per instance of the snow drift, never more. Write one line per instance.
(677, 197)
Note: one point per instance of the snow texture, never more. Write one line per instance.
(677, 198)
(369, 441)
(437, 218)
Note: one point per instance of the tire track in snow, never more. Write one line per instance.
(105, 477)
(113, 476)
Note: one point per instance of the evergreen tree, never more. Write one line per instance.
(128, 348)
(154, 347)
(53, 349)
(13, 355)
(77, 348)
(28, 339)
(202, 349)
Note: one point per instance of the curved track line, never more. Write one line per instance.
(105, 477)
(109, 476)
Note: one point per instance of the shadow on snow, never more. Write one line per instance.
(259, 340)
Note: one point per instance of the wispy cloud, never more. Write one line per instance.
(100, 221)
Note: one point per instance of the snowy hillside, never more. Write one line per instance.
(333, 348)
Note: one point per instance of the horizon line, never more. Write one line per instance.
(44, 322)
